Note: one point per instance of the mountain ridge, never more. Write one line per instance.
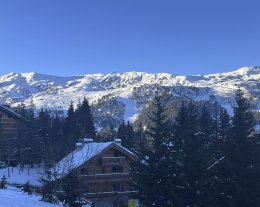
(129, 91)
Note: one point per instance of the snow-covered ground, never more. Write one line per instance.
(16, 176)
(14, 197)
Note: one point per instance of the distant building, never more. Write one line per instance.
(9, 124)
(103, 171)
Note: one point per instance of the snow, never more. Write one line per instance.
(57, 92)
(14, 197)
(215, 163)
(22, 177)
(131, 112)
(79, 156)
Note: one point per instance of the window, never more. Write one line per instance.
(117, 169)
(83, 171)
(85, 189)
(116, 188)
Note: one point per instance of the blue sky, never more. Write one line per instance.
(69, 37)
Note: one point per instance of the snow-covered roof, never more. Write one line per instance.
(10, 111)
(79, 156)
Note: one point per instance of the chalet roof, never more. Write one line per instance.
(10, 112)
(88, 151)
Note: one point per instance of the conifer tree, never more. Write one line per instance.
(47, 190)
(151, 174)
(85, 120)
(3, 182)
(240, 170)
(56, 137)
(126, 134)
(71, 131)
(41, 144)
(191, 144)
(72, 195)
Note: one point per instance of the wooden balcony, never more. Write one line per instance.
(107, 195)
(9, 130)
(102, 178)
(6, 121)
(112, 161)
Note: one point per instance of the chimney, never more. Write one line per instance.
(87, 140)
(78, 145)
(118, 141)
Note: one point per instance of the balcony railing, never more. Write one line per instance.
(102, 195)
(6, 120)
(9, 130)
(108, 177)
(112, 161)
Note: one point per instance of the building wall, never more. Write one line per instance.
(8, 134)
(106, 177)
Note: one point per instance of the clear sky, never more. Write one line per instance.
(69, 37)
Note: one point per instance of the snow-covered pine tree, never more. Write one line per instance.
(72, 196)
(48, 190)
(3, 182)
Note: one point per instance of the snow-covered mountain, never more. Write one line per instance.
(122, 95)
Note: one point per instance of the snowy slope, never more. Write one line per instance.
(13, 197)
(17, 176)
(122, 95)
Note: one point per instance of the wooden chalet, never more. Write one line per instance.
(9, 124)
(103, 172)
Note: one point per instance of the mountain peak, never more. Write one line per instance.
(248, 71)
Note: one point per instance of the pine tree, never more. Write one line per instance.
(3, 182)
(240, 170)
(154, 160)
(121, 130)
(27, 188)
(56, 138)
(106, 135)
(72, 195)
(71, 131)
(47, 190)
(126, 134)
(191, 146)
(41, 145)
(85, 120)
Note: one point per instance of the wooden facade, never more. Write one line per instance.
(9, 123)
(105, 177)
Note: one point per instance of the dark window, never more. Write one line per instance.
(85, 189)
(117, 169)
(83, 171)
(116, 188)
(9, 116)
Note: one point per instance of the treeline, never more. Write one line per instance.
(198, 159)
(48, 137)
